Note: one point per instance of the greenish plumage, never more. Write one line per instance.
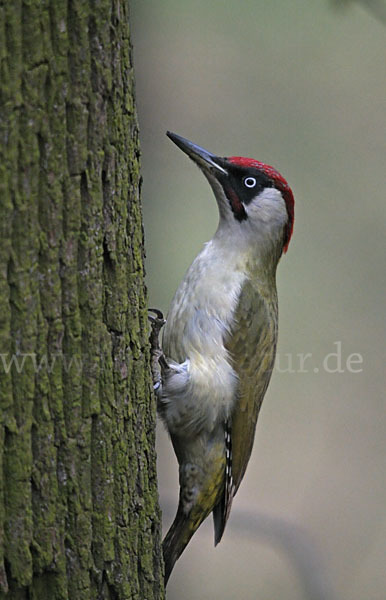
(219, 341)
(252, 348)
(250, 345)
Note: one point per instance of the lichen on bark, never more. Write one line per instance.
(79, 514)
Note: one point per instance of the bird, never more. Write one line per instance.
(219, 340)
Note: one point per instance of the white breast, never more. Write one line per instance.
(199, 320)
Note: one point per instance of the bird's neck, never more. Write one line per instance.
(258, 259)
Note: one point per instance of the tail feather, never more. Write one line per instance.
(176, 540)
(202, 488)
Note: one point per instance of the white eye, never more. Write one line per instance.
(250, 182)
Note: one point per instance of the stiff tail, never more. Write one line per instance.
(184, 527)
(202, 489)
(177, 538)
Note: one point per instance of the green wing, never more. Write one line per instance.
(252, 348)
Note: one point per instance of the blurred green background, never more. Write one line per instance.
(300, 86)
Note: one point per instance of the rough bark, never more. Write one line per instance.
(79, 515)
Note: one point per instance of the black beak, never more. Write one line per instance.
(204, 159)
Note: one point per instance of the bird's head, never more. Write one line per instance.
(255, 202)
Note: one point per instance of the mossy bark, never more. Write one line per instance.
(79, 515)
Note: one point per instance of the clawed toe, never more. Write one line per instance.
(157, 358)
(159, 317)
(157, 322)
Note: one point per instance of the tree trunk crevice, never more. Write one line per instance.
(79, 514)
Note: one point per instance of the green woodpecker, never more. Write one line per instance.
(219, 340)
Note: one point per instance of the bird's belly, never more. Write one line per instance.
(202, 311)
(198, 324)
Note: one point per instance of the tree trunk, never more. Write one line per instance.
(79, 515)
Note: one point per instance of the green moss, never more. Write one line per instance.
(80, 514)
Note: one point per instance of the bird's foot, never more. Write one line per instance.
(158, 359)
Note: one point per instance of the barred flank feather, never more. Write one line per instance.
(222, 510)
